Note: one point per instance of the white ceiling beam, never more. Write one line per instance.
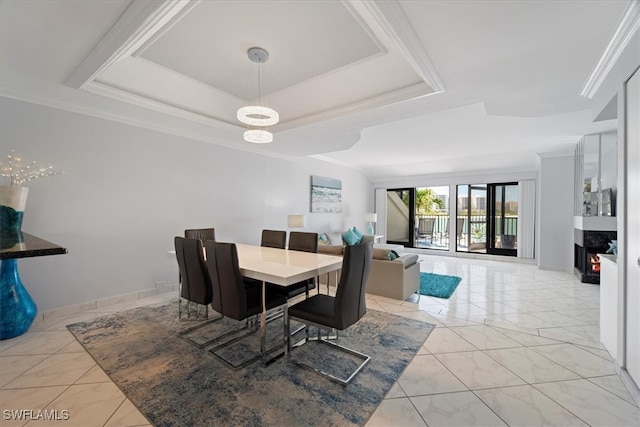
(388, 17)
(141, 21)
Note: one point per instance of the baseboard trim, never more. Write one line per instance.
(58, 313)
(631, 385)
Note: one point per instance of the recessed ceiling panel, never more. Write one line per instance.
(305, 39)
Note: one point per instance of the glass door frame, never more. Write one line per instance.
(492, 198)
(470, 224)
(412, 217)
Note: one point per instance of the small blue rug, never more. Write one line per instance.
(438, 285)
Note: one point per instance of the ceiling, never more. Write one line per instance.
(394, 88)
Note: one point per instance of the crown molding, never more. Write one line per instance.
(142, 101)
(567, 152)
(56, 102)
(623, 34)
(407, 93)
(336, 162)
(141, 21)
(387, 16)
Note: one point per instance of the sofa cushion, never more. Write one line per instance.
(350, 238)
(335, 239)
(384, 254)
(357, 232)
(366, 239)
(331, 250)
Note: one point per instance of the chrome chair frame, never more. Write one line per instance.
(349, 307)
(321, 340)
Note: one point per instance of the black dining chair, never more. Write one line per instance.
(195, 285)
(304, 242)
(203, 234)
(273, 239)
(233, 295)
(339, 312)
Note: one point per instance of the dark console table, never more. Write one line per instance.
(17, 309)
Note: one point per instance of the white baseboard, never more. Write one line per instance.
(631, 386)
(61, 312)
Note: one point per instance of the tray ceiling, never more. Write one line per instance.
(326, 58)
(394, 88)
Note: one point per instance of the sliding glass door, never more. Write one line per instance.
(432, 218)
(401, 205)
(502, 219)
(471, 224)
(488, 218)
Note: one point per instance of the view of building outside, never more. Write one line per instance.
(432, 217)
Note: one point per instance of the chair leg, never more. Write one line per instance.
(267, 352)
(183, 334)
(288, 338)
(286, 325)
(344, 381)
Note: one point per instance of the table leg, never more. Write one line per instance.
(263, 323)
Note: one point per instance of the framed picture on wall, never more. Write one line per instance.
(326, 195)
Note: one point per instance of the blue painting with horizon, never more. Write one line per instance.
(326, 195)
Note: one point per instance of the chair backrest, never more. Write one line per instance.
(304, 242)
(274, 239)
(350, 303)
(426, 225)
(459, 227)
(203, 234)
(229, 295)
(194, 276)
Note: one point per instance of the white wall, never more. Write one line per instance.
(127, 192)
(555, 214)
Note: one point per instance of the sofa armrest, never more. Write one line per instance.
(396, 279)
(407, 260)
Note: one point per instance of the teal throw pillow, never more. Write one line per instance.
(357, 233)
(350, 238)
(393, 255)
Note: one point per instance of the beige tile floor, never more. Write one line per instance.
(514, 346)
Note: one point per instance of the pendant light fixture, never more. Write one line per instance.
(257, 117)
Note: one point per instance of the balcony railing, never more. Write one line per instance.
(473, 226)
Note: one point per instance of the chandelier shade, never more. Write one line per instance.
(258, 136)
(258, 115)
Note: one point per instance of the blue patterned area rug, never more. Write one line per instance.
(173, 383)
(438, 285)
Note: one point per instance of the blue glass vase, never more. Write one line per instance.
(16, 305)
(17, 308)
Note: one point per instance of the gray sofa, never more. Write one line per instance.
(397, 279)
(333, 244)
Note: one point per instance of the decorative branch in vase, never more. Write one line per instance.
(19, 174)
(13, 197)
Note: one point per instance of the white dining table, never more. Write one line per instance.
(281, 267)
